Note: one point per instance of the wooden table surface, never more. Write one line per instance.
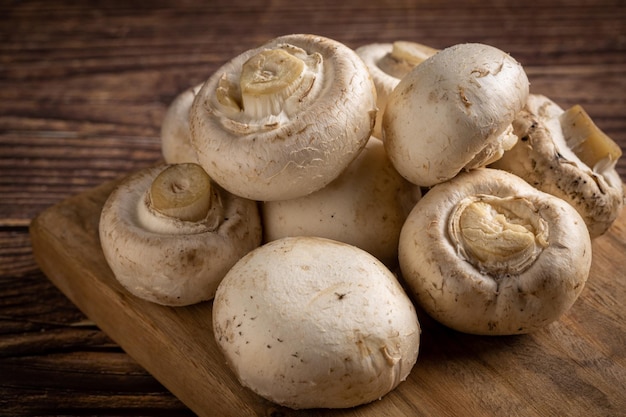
(83, 89)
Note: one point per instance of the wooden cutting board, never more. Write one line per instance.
(574, 367)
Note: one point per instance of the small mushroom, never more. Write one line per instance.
(308, 322)
(169, 235)
(365, 206)
(563, 152)
(487, 253)
(387, 64)
(453, 112)
(285, 119)
(175, 131)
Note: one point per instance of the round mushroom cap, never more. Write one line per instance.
(453, 112)
(295, 140)
(365, 206)
(387, 64)
(309, 322)
(170, 261)
(175, 131)
(544, 158)
(487, 253)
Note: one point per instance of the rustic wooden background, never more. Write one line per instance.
(83, 89)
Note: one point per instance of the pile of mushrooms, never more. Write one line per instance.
(339, 175)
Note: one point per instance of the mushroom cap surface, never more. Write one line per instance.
(365, 206)
(542, 241)
(387, 70)
(453, 111)
(169, 261)
(306, 144)
(543, 158)
(308, 322)
(175, 130)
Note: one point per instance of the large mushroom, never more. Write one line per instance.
(285, 119)
(387, 64)
(453, 112)
(169, 235)
(365, 206)
(564, 153)
(308, 322)
(487, 253)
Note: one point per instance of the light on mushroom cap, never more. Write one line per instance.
(452, 108)
(283, 120)
(169, 260)
(312, 323)
(487, 253)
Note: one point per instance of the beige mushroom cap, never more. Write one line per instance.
(175, 130)
(296, 143)
(453, 112)
(365, 206)
(170, 261)
(545, 160)
(308, 322)
(486, 253)
(387, 64)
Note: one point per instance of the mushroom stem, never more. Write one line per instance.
(585, 138)
(182, 191)
(498, 235)
(411, 52)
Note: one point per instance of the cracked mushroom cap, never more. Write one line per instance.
(453, 112)
(170, 242)
(283, 120)
(486, 253)
(564, 153)
(308, 322)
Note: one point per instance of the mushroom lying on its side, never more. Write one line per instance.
(565, 154)
(487, 253)
(285, 119)
(170, 236)
(453, 112)
(308, 322)
(387, 64)
(365, 206)
(175, 130)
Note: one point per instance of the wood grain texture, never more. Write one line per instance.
(83, 89)
(530, 375)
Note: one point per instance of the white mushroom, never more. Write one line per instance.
(175, 131)
(365, 206)
(487, 253)
(387, 64)
(308, 322)
(562, 152)
(170, 236)
(283, 120)
(453, 112)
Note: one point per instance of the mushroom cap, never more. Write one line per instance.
(175, 131)
(543, 158)
(173, 262)
(386, 72)
(306, 145)
(308, 322)
(452, 111)
(532, 286)
(365, 206)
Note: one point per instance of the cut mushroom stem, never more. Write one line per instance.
(412, 53)
(590, 144)
(181, 191)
